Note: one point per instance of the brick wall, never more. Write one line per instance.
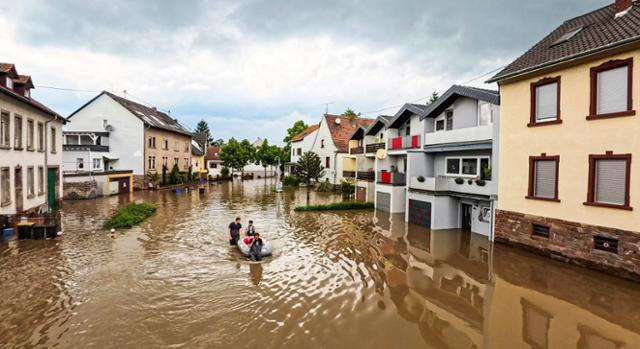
(572, 242)
(80, 190)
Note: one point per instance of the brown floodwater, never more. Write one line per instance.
(358, 279)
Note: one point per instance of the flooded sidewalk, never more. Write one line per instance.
(337, 280)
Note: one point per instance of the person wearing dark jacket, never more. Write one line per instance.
(255, 247)
(234, 231)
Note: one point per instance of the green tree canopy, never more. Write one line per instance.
(203, 127)
(434, 97)
(310, 167)
(295, 130)
(235, 155)
(350, 113)
(266, 155)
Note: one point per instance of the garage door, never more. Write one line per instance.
(383, 201)
(420, 213)
(361, 194)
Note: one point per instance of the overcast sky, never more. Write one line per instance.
(251, 68)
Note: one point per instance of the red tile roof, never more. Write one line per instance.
(24, 79)
(213, 153)
(341, 131)
(300, 136)
(10, 69)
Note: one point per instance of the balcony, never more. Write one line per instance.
(368, 176)
(349, 174)
(356, 150)
(467, 134)
(392, 178)
(406, 142)
(85, 147)
(448, 184)
(372, 148)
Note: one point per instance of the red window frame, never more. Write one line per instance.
(593, 106)
(532, 175)
(591, 192)
(534, 86)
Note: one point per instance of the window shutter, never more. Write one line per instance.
(547, 102)
(612, 90)
(611, 181)
(545, 179)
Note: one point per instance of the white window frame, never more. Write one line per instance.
(480, 104)
(96, 161)
(460, 158)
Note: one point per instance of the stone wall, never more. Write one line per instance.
(572, 242)
(80, 190)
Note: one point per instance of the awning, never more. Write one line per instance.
(110, 156)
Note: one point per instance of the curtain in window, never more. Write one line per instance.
(612, 90)
(547, 102)
(611, 181)
(545, 179)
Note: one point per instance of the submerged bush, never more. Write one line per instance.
(348, 188)
(345, 205)
(325, 187)
(291, 181)
(130, 215)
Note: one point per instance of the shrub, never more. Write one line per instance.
(175, 177)
(470, 181)
(486, 173)
(130, 215)
(421, 179)
(345, 205)
(224, 172)
(348, 188)
(480, 182)
(325, 187)
(291, 181)
(459, 180)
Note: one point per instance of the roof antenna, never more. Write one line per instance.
(125, 94)
(326, 107)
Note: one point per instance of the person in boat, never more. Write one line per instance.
(251, 229)
(255, 247)
(234, 231)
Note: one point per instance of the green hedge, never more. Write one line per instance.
(345, 205)
(130, 215)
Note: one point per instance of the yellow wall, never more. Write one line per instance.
(349, 164)
(198, 164)
(353, 144)
(573, 140)
(179, 147)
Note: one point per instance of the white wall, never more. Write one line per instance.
(334, 172)
(127, 138)
(305, 144)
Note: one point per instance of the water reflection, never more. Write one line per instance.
(337, 280)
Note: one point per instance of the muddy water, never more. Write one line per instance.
(337, 280)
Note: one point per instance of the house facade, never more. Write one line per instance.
(450, 182)
(30, 147)
(213, 162)
(568, 142)
(331, 143)
(300, 144)
(141, 138)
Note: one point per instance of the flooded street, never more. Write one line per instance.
(358, 279)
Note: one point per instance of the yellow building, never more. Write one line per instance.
(568, 134)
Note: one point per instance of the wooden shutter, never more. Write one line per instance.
(612, 90)
(611, 181)
(547, 102)
(545, 179)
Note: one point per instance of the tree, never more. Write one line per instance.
(203, 127)
(350, 113)
(266, 156)
(235, 155)
(217, 143)
(434, 97)
(309, 167)
(295, 130)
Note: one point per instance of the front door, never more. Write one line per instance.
(466, 216)
(123, 186)
(51, 187)
(18, 186)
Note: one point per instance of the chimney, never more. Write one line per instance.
(623, 6)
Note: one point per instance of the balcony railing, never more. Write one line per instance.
(368, 176)
(372, 148)
(349, 174)
(356, 150)
(449, 184)
(406, 142)
(85, 147)
(392, 178)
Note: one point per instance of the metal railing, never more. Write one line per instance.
(392, 178)
(85, 147)
(405, 142)
(356, 150)
(366, 175)
(349, 174)
(372, 148)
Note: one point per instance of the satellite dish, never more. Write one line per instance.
(338, 121)
(381, 154)
(109, 128)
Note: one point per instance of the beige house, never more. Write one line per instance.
(30, 147)
(568, 135)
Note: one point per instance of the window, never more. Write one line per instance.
(327, 162)
(5, 121)
(79, 163)
(485, 114)
(466, 166)
(322, 143)
(470, 167)
(96, 163)
(449, 118)
(105, 122)
(152, 163)
(381, 137)
(40, 180)
(165, 161)
(30, 183)
(609, 177)
(453, 166)
(299, 151)
(53, 140)
(176, 161)
(186, 163)
(27, 92)
(543, 177)
(5, 187)
(17, 132)
(9, 83)
(407, 129)
(186, 146)
(485, 214)
(440, 125)
(30, 133)
(40, 136)
(152, 142)
(567, 36)
(166, 144)
(545, 102)
(611, 89)
(213, 165)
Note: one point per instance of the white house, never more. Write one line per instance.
(300, 144)
(331, 143)
(30, 147)
(213, 162)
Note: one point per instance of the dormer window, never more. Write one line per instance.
(322, 143)
(9, 83)
(27, 93)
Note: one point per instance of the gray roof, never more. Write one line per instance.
(380, 121)
(577, 38)
(434, 109)
(201, 138)
(405, 112)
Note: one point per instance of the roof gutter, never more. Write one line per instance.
(568, 59)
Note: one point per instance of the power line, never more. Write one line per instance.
(66, 89)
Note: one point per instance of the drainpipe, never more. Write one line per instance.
(46, 156)
(335, 167)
